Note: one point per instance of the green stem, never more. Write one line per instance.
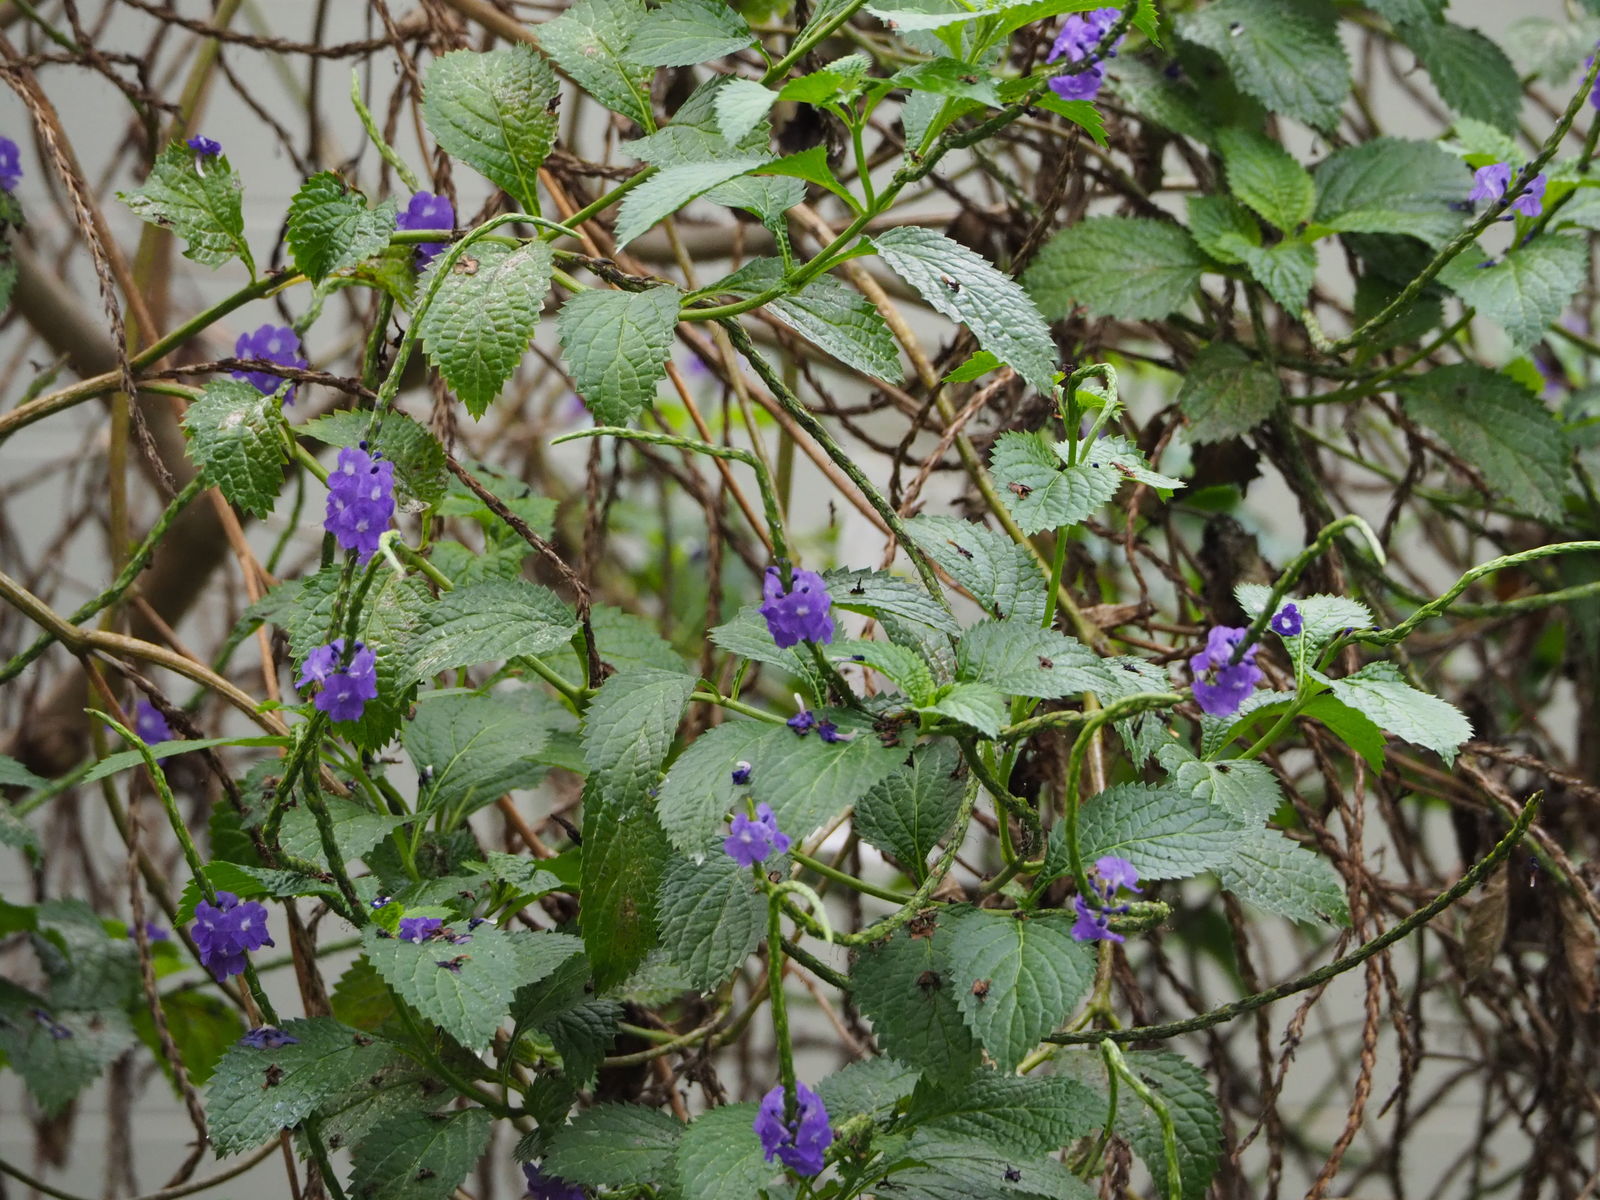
(848, 880)
(780, 1012)
(1118, 1068)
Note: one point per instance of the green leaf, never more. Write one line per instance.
(198, 200)
(870, 1085)
(808, 781)
(1378, 692)
(946, 1169)
(256, 1093)
(699, 788)
(233, 435)
(1268, 870)
(1132, 268)
(741, 105)
(747, 636)
(879, 594)
(670, 188)
(999, 574)
(1186, 1091)
(683, 32)
(477, 747)
(202, 1026)
(1166, 833)
(356, 830)
(904, 986)
(1156, 97)
(829, 313)
(420, 1156)
(1016, 977)
(14, 774)
(711, 914)
(615, 1145)
(1036, 1114)
(495, 111)
(966, 288)
(1527, 289)
(330, 226)
(901, 665)
(1043, 492)
(1286, 269)
(1025, 660)
(627, 731)
(1226, 393)
(1498, 426)
(768, 197)
(466, 989)
(617, 345)
(589, 40)
(124, 759)
(483, 316)
(1244, 789)
(417, 456)
(1267, 178)
(1219, 223)
(498, 619)
(1322, 617)
(13, 832)
(628, 641)
(56, 1069)
(1392, 186)
(719, 1156)
(978, 705)
(1285, 53)
(1473, 75)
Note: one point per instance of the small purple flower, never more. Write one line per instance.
(1594, 96)
(741, 773)
(1096, 910)
(1116, 873)
(829, 732)
(1093, 925)
(380, 901)
(225, 931)
(803, 722)
(149, 724)
(1288, 623)
(1225, 691)
(360, 501)
(801, 614)
(1490, 183)
(799, 1143)
(268, 1037)
(10, 165)
(204, 147)
(751, 842)
(275, 344)
(152, 933)
(427, 211)
(419, 929)
(1080, 34)
(344, 693)
(51, 1026)
(550, 1187)
(1530, 201)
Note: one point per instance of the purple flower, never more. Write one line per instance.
(829, 732)
(1116, 873)
(801, 614)
(1594, 96)
(427, 211)
(1096, 910)
(550, 1187)
(344, 693)
(1490, 183)
(419, 929)
(1228, 686)
(1080, 34)
(268, 1037)
(741, 773)
(1288, 622)
(152, 933)
(204, 146)
(752, 842)
(1530, 201)
(225, 931)
(149, 724)
(803, 722)
(10, 165)
(798, 1143)
(360, 501)
(270, 343)
(53, 1027)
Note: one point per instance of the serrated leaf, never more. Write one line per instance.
(1378, 692)
(417, 456)
(1285, 53)
(670, 188)
(978, 705)
(1156, 97)
(1388, 185)
(615, 1145)
(498, 619)
(233, 435)
(483, 316)
(683, 32)
(1219, 223)
(829, 313)
(808, 781)
(1164, 832)
(419, 1156)
(1498, 426)
(589, 40)
(466, 989)
(14, 774)
(767, 197)
(199, 201)
(1132, 268)
(56, 1069)
(711, 914)
(965, 287)
(1322, 617)
(330, 226)
(1286, 269)
(495, 111)
(747, 636)
(1186, 1091)
(1226, 393)
(1244, 789)
(878, 594)
(699, 786)
(476, 747)
(1031, 1115)
(1044, 492)
(901, 665)
(904, 986)
(1016, 978)
(1473, 75)
(1271, 872)
(869, 1085)
(617, 345)
(1267, 178)
(1527, 289)
(14, 833)
(720, 1157)
(1000, 575)
(741, 105)
(948, 1169)
(1025, 660)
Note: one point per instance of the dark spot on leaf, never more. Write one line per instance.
(1020, 489)
(273, 1075)
(465, 265)
(423, 1174)
(980, 989)
(1223, 768)
(1046, 664)
(1013, 1175)
(362, 1039)
(923, 926)
(928, 980)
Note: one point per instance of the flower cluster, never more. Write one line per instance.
(1288, 623)
(226, 931)
(1080, 34)
(804, 721)
(751, 842)
(550, 1187)
(360, 500)
(799, 1143)
(427, 211)
(270, 343)
(1095, 911)
(1229, 683)
(268, 1037)
(801, 613)
(1490, 183)
(345, 692)
(419, 929)
(10, 165)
